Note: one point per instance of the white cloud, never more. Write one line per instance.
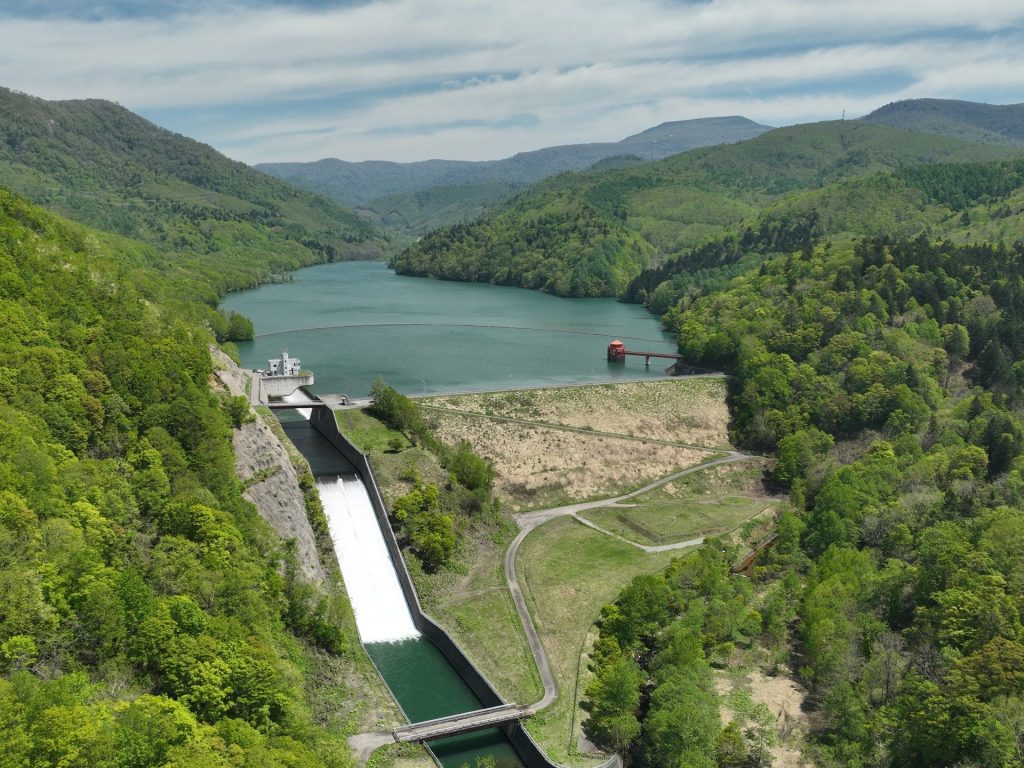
(584, 69)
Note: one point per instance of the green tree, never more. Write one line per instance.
(612, 700)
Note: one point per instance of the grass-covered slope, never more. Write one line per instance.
(97, 163)
(988, 123)
(589, 234)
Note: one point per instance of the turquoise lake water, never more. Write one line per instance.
(351, 322)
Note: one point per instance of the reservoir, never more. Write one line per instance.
(351, 322)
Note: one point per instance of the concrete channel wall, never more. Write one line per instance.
(324, 422)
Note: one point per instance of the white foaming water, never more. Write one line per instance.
(298, 396)
(382, 615)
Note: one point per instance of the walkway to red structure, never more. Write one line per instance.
(617, 353)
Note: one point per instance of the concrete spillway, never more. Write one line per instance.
(427, 673)
(382, 614)
(299, 396)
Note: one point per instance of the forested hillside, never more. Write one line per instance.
(593, 234)
(963, 202)
(230, 226)
(148, 616)
(885, 377)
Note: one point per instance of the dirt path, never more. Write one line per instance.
(783, 698)
(530, 520)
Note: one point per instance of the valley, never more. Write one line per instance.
(830, 524)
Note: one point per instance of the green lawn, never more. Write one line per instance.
(369, 434)
(568, 572)
(706, 503)
(665, 522)
(482, 618)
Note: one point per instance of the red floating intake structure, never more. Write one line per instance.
(617, 354)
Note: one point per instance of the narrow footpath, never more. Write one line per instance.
(527, 521)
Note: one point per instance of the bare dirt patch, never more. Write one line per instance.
(685, 410)
(782, 696)
(540, 466)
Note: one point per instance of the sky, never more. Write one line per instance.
(404, 80)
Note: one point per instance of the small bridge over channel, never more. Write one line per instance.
(282, 406)
(454, 725)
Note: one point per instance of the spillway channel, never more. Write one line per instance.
(422, 680)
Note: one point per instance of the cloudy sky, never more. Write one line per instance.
(266, 80)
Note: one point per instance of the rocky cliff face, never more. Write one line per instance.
(263, 463)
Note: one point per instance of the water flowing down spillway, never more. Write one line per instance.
(298, 396)
(422, 680)
(382, 613)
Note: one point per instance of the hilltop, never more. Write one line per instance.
(416, 197)
(97, 163)
(967, 120)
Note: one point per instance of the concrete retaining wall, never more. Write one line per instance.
(324, 422)
(281, 386)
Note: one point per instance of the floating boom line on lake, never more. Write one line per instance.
(455, 325)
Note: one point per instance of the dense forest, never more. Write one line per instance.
(428, 519)
(595, 234)
(148, 616)
(886, 379)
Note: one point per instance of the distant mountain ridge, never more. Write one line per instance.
(967, 120)
(389, 189)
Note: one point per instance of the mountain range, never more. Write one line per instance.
(413, 198)
(593, 234)
(968, 120)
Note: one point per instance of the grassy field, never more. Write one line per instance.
(689, 411)
(538, 466)
(478, 612)
(569, 572)
(562, 445)
(370, 435)
(705, 503)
